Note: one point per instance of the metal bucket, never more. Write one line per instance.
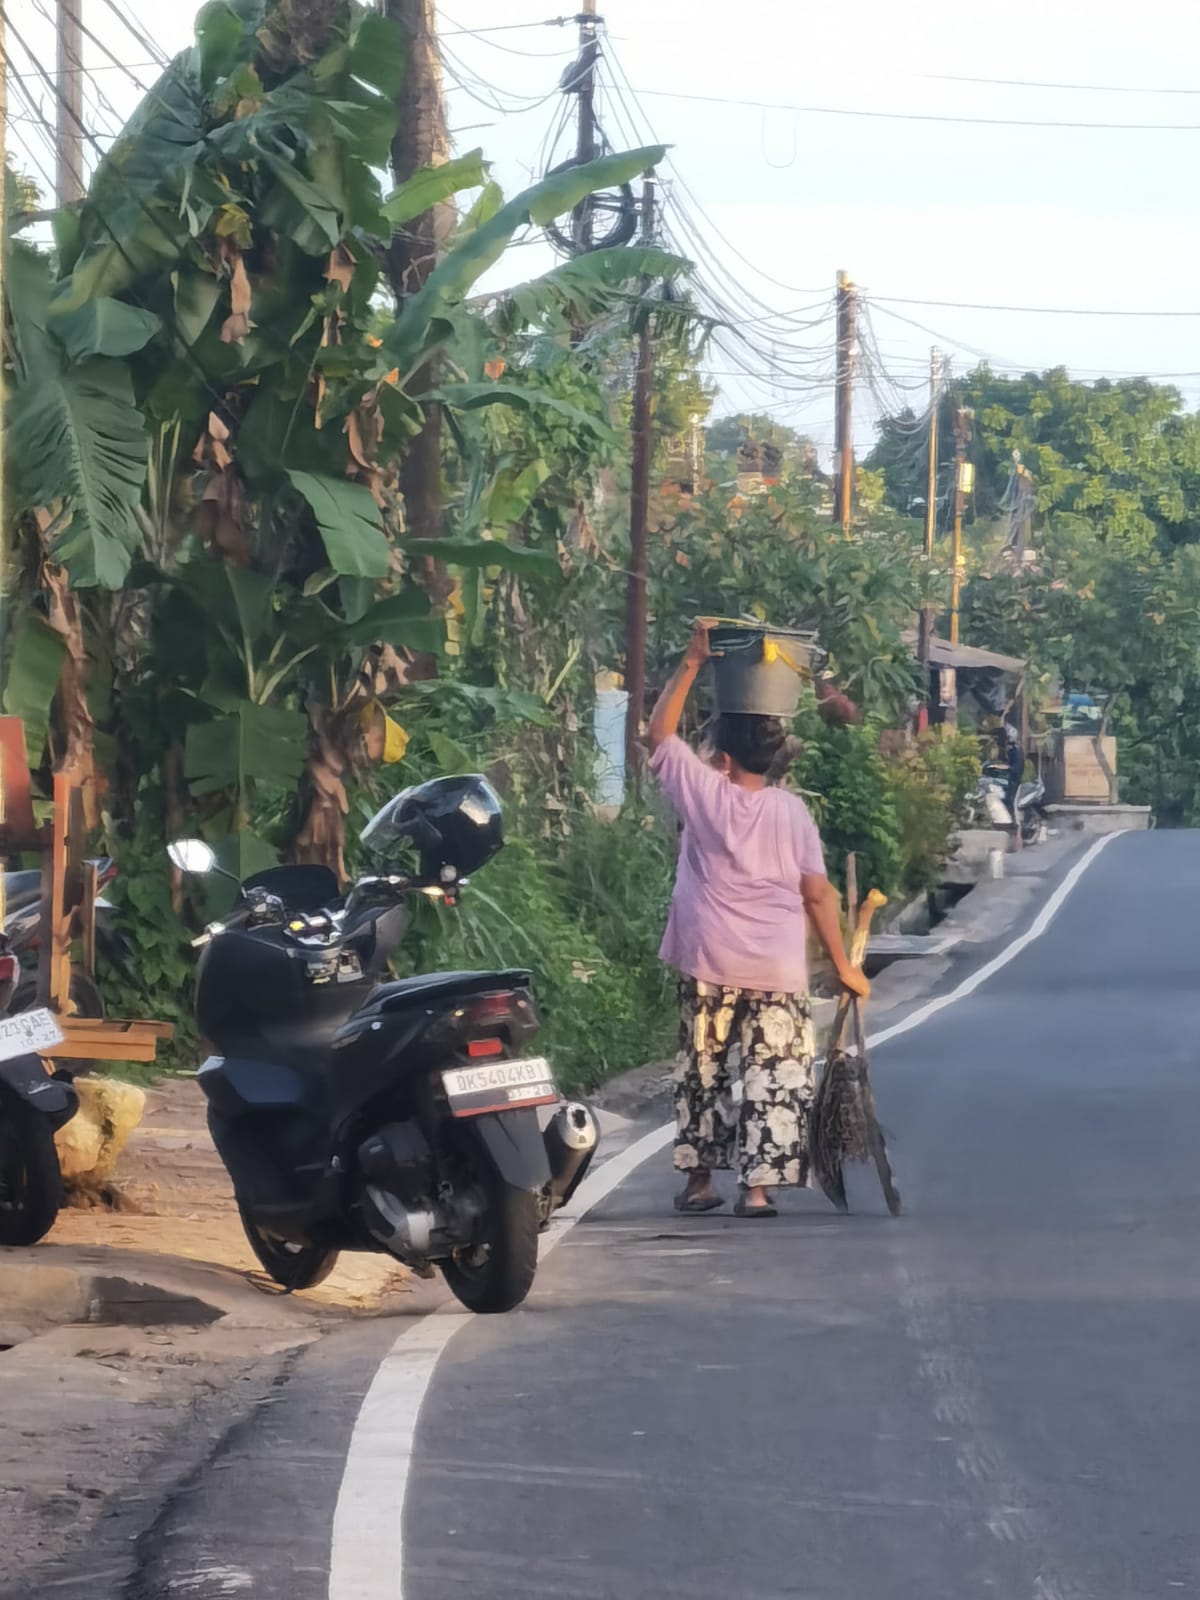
(758, 670)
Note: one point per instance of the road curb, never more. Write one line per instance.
(49, 1287)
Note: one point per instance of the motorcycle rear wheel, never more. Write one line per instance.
(31, 1187)
(292, 1266)
(497, 1274)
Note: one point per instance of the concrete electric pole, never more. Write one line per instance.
(585, 88)
(964, 477)
(843, 427)
(68, 142)
(925, 632)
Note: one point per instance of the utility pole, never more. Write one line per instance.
(68, 141)
(925, 628)
(843, 424)
(639, 512)
(3, 412)
(585, 88)
(1024, 498)
(421, 141)
(963, 476)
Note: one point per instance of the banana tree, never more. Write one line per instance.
(218, 297)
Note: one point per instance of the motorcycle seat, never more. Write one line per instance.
(430, 986)
(24, 889)
(21, 890)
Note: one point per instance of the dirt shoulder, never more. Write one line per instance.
(132, 1339)
(176, 1202)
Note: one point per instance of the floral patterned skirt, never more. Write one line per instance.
(770, 1036)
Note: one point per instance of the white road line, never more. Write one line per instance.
(367, 1556)
(1010, 952)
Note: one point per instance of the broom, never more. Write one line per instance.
(844, 1126)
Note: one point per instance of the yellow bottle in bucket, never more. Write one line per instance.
(759, 670)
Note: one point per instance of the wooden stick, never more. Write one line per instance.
(858, 950)
(851, 890)
(874, 902)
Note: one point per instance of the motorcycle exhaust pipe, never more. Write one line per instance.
(571, 1137)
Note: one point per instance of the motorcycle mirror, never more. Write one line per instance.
(192, 856)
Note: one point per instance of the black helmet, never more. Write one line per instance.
(454, 824)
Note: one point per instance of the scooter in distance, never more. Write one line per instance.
(1030, 815)
(22, 929)
(356, 1113)
(34, 1104)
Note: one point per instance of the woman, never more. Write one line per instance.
(751, 876)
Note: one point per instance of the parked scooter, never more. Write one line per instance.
(986, 807)
(354, 1113)
(1030, 812)
(33, 1106)
(22, 928)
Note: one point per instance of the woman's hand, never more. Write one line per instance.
(854, 979)
(699, 648)
(664, 719)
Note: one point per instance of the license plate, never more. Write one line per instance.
(499, 1086)
(28, 1033)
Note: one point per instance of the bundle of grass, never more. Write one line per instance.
(844, 1124)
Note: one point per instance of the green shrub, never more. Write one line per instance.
(930, 781)
(850, 791)
(604, 998)
(157, 981)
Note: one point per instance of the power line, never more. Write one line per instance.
(1038, 311)
(114, 61)
(728, 301)
(37, 115)
(512, 50)
(920, 116)
(1039, 83)
(102, 221)
(135, 29)
(504, 27)
(942, 338)
(36, 119)
(728, 243)
(126, 67)
(472, 84)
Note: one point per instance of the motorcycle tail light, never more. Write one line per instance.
(491, 1008)
(8, 969)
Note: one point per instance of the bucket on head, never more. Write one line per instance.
(759, 670)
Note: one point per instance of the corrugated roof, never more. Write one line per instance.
(944, 654)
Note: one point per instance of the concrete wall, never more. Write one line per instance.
(1099, 819)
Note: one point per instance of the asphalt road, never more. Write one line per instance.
(996, 1395)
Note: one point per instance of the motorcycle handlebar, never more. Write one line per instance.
(236, 919)
(392, 885)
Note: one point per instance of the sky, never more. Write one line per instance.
(777, 201)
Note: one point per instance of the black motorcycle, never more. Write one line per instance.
(354, 1113)
(33, 1106)
(23, 930)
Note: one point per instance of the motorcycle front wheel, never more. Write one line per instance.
(292, 1266)
(31, 1189)
(497, 1272)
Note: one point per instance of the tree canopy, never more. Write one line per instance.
(1109, 602)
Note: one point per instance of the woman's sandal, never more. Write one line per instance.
(743, 1209)
(695, 1208)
